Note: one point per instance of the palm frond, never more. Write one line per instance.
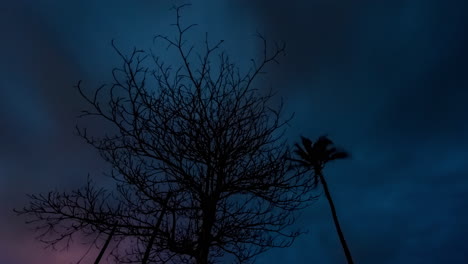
(339, 155)
(317, 154)
(301, 152)
(308, 144)
(322, 144)
(329, 151)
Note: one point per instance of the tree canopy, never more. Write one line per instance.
(201, 168)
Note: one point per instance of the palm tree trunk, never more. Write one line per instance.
(335, 219)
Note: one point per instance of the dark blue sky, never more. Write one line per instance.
(387, 80)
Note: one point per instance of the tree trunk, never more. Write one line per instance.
(99, 257)
(204, 240)
(335, 219)
(155, 231)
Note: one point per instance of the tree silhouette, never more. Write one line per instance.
(314, 156)
(201, 168)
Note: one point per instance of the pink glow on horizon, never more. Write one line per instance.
(26, 250)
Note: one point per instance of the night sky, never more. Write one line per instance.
(387, 80)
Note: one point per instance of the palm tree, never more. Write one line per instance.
(314, 156)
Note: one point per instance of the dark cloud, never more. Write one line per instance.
(388, 79)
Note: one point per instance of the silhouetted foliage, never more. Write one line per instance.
(201, 168)
(314, 156)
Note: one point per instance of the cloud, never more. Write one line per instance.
(387, 80)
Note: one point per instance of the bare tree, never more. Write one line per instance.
(201, 166)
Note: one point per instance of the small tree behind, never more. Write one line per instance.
(200, 164)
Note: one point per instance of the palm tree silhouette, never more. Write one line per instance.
(314, 156)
